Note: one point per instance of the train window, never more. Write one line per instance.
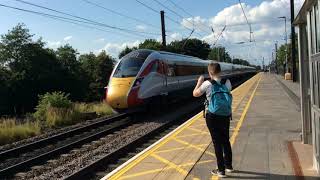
(128, 67)
(154, 67)
(171, 70)
(183, 70)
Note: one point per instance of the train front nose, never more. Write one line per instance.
(117, 95)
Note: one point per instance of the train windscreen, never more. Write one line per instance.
(131, 64)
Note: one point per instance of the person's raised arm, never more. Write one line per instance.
(197, 92)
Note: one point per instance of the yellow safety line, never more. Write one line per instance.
(179, 148)
(191, 145)
(195, 134)
(199, 125)
(195, 130)
(170, 164)
(164, 141)
(239, 124)
(162, 169)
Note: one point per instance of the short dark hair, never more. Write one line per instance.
(214, 68)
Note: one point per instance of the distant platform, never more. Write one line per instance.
(265, 122)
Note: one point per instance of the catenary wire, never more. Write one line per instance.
(168, 17)
(183, 18)
(59, 17)
(88, 20)
(186, 12)
(120, 14)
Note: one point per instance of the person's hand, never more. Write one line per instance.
(200, 80)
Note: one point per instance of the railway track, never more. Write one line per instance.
(23, 157)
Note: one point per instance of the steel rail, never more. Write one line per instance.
(114, 122)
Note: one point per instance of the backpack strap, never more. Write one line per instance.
(223, 81)
(213, 81)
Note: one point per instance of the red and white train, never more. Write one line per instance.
(144, 77)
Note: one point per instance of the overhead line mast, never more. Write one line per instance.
(245, 16)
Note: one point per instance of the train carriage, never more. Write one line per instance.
(145, 76)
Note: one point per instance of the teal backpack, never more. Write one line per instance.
(221, 99)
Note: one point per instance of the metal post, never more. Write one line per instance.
(305, 85)
(276, 56)
(286, 38)
(163, 29)
(293, 44)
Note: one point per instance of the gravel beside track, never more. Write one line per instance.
(70, 163)
(39, 151)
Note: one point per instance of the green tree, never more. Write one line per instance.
(150, 44)
(105, 64)
(98, 70)
(74, 78)
(5, 103)
(40, 72)
(68, 58)
(12, 45)
(32, 69)
(219, 54)
(125, 51)
(192, 47)
(241, 62)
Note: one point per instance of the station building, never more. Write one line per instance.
(308, 23)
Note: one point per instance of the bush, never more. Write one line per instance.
(55, 109)
(11, 131)
(51, 100)
(102, 109)
(61, 116)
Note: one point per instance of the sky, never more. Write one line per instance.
(181, 17)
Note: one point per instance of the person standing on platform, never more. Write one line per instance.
(218, 115)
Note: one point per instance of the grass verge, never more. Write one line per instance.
(11, 131)
(101, 108)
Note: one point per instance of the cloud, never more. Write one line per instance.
(141, 27)
(114, 48)
(100, 40)
(53, 44)
(174, 36)
(196, 23)
(266, 26)
(67, 38)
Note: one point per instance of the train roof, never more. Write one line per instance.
(186, 58)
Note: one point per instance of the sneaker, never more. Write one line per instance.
(218, 173)
(229, 170)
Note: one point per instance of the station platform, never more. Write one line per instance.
(265, 123)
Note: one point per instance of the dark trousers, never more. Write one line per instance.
(219, 131)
